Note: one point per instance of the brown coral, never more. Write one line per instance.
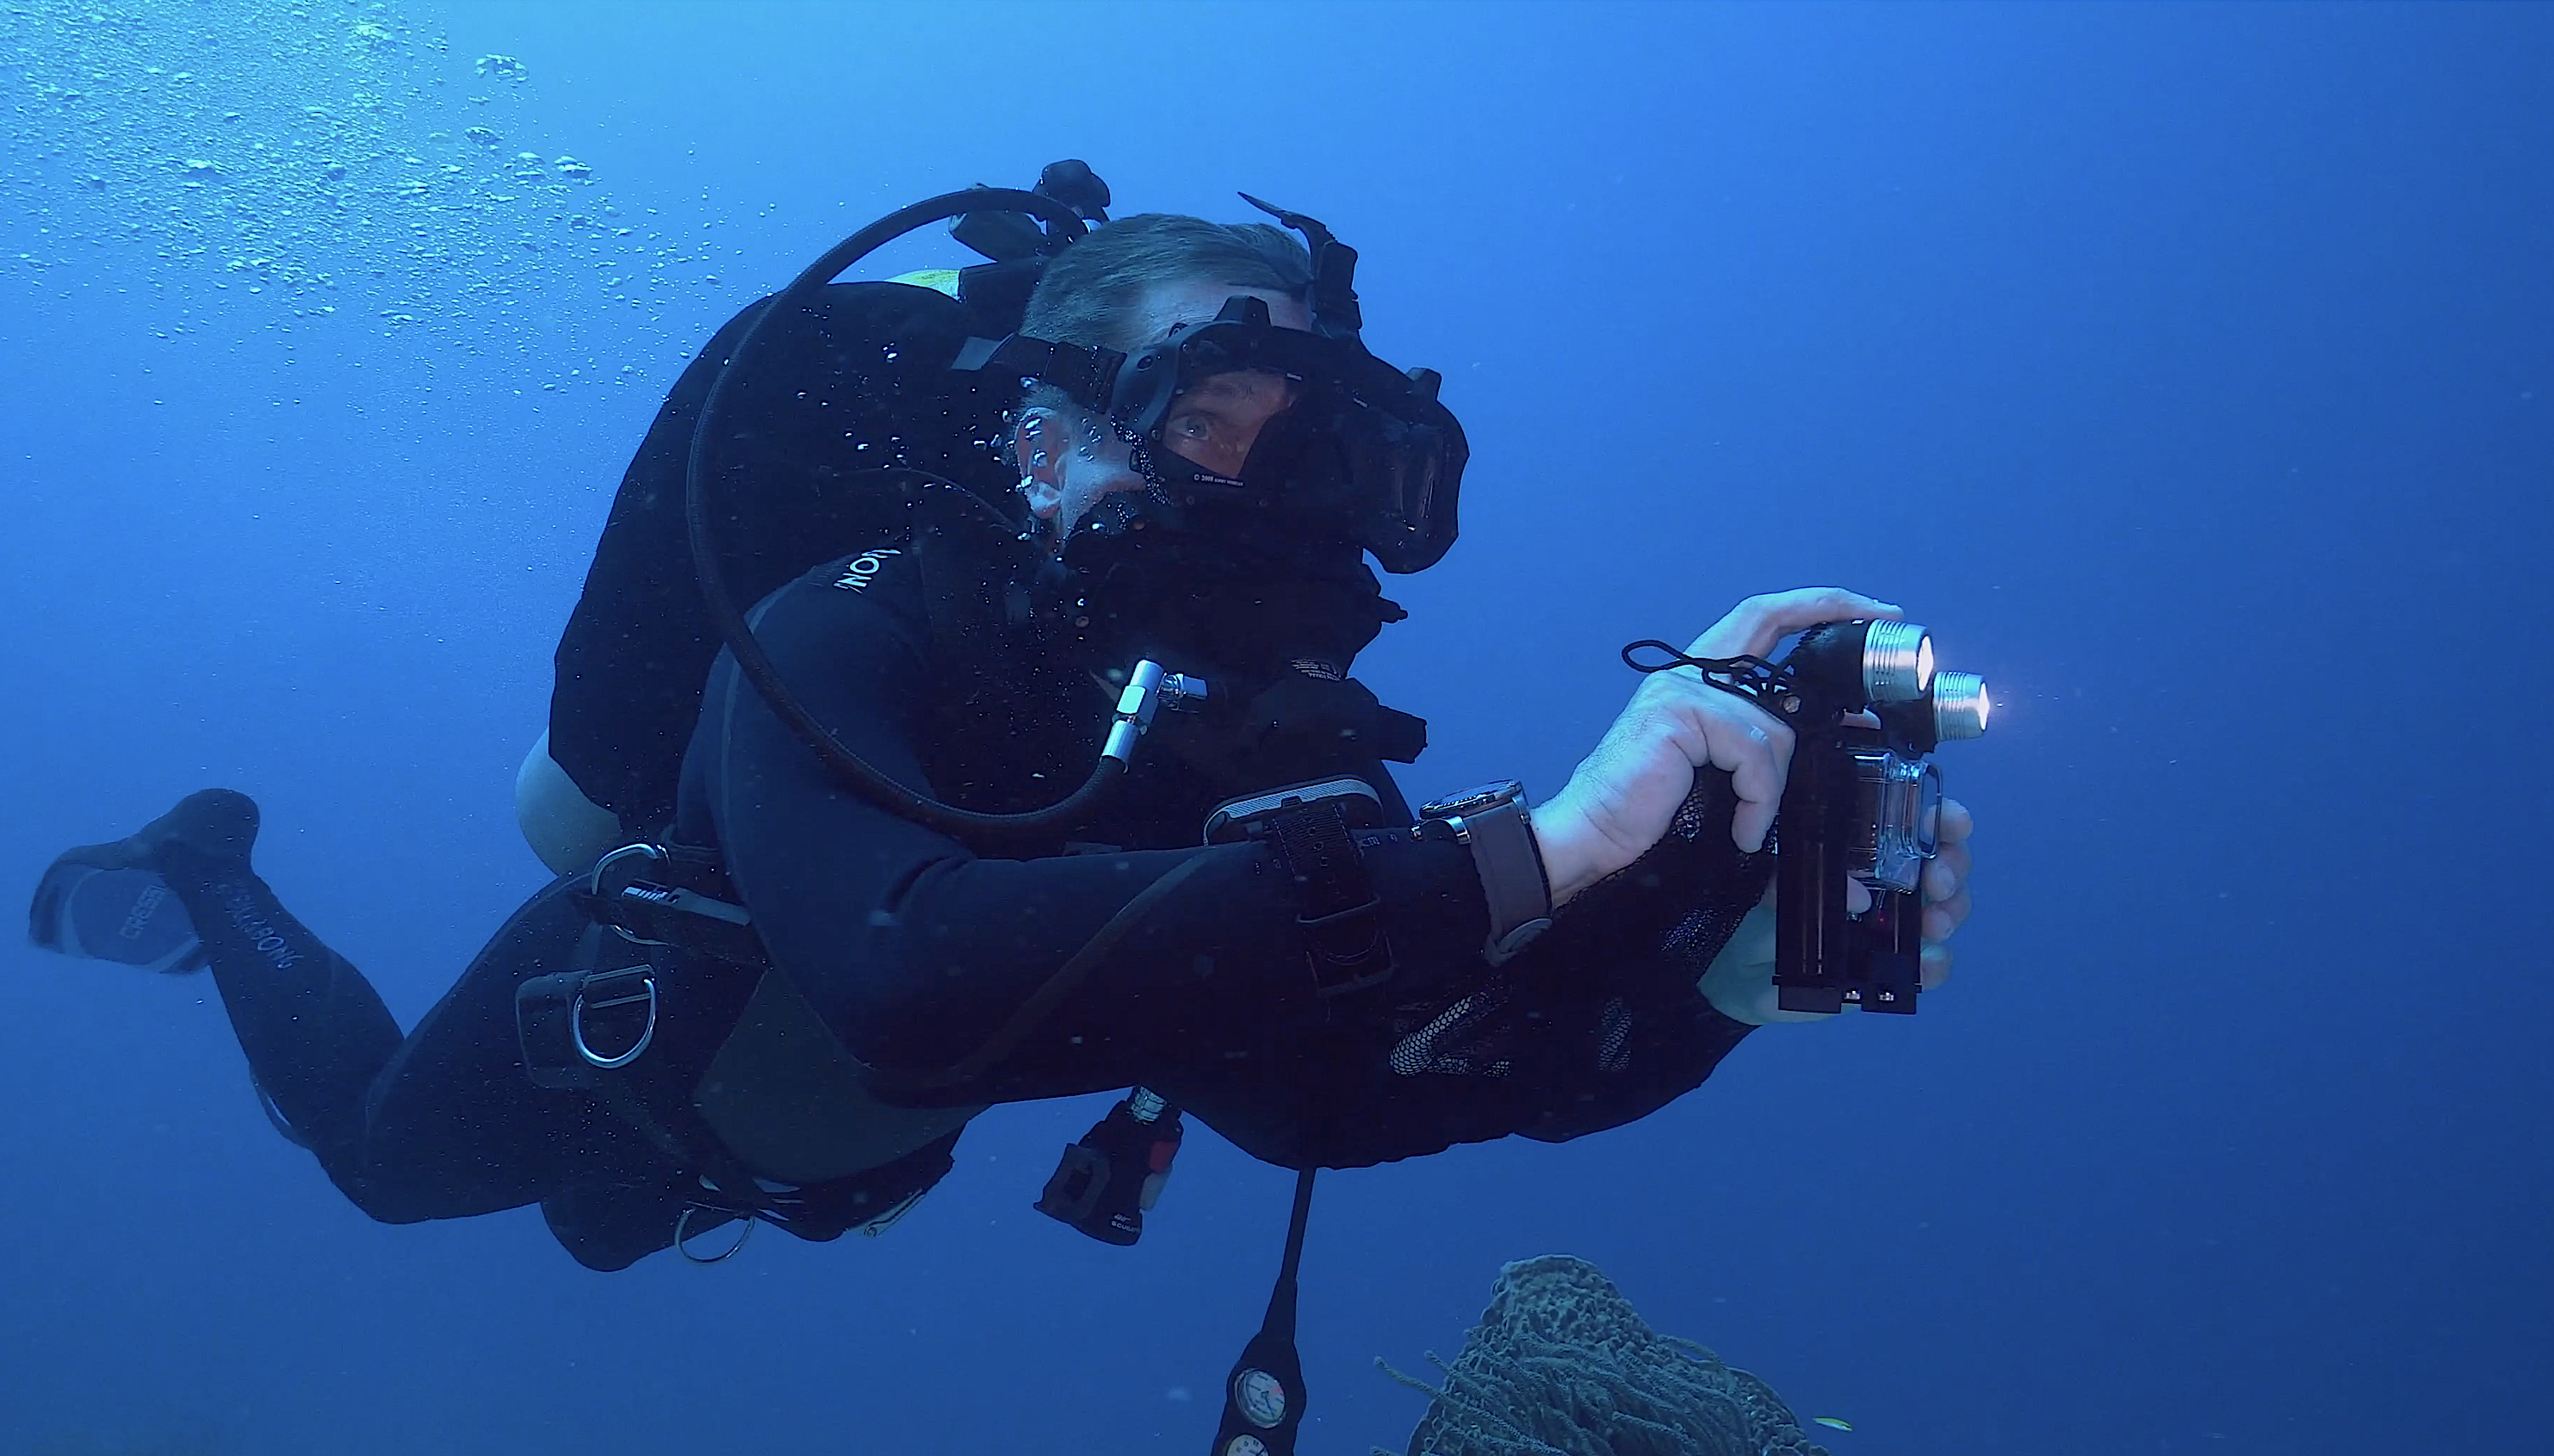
(1560, 1365)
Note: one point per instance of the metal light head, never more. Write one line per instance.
(1848, 666)
(1896, 661)
(1960, 705)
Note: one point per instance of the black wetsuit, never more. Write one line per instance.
(917, 951)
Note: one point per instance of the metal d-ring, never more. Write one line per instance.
(612, 998)
(683, 1232)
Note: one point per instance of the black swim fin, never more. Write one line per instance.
(112, 902)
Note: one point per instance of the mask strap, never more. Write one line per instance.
(1336, 314)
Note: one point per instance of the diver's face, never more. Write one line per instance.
(1213, 425)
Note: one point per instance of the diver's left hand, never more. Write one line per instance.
(1740, 981)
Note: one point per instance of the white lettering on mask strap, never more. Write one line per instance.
(857, 574)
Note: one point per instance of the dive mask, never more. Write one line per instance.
(1361, 452)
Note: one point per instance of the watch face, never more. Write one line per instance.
(1473, 801)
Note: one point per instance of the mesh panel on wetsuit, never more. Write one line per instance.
(1462, 1041)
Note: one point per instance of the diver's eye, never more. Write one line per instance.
(1205, 438)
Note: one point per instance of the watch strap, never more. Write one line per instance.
(1512, 881)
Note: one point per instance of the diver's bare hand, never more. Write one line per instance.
(1626, 793)
(1946, 888)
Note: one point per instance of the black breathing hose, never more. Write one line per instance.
(750, 660)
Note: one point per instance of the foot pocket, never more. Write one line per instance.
(127, 916)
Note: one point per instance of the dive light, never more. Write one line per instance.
(1863, 800)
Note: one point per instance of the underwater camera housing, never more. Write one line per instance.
(1863, 800)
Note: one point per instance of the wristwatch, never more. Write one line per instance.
(1494, 822)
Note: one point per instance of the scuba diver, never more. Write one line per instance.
(896, 564)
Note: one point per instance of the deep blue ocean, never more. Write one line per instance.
(2188, 369)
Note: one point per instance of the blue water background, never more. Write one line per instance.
(2188, 369)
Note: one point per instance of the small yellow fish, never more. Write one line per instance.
(1831, 1422)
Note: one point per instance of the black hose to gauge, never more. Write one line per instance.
(1062, 224)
